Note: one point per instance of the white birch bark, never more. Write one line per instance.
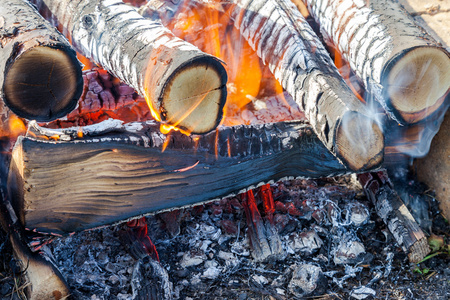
(40, 76)
(284, 40)
(185, 86)
(406, 70)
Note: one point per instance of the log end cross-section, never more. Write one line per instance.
(43, 83)
(359, 141)
(194, 96)
(416, 82)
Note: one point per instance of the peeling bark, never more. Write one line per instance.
(287, 44)
(40, 75)
(184, 86)
(404, 67)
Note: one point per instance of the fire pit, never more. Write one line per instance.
(216, 116)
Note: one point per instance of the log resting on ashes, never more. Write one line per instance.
(43, 279)
(395, 215)
(40, 75)
(403, 66)
(184, 86)
(285, 42)
(116, 172)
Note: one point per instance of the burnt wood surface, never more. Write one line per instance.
(395, 215)
(40, 76)
(184, 86)
(406, 70)
(116, 172)
(284, 41)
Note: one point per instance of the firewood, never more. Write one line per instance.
(116, 172)
(434, 169)
(43, 279)
(183, 86)
(295, 55)
(404, 67)
(41, 76)
(395, 215)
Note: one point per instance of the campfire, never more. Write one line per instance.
(187, 117)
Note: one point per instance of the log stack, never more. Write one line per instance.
(40, 76)
(401, 65)
(284, 41)
(183, 86)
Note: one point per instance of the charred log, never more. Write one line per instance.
(40, 75)
(395, 215)
(120, 172)
(404, 67)
(44, 281)
(184, 86)
(284, 41)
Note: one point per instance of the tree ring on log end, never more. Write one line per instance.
(416, 82)
(359, 141)
(195, 94)
(43, 83)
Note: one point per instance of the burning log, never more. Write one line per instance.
(284, 41)
(116, 172)
(404, 67)
(41, 76)
(395, 215)
(183, 86)
(43, 278)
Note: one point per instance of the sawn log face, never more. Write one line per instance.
(122, 174)
(287, 44)
(403, 66)
(180, 83)
(40, 76)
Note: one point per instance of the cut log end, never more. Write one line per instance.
(359, 142)
(44, 83)
(417, 81)
(195, 95)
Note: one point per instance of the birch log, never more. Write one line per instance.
(116, 172)
(284, 40)
(40, 75)
(404, 67)
(395, 214)
(183, 86)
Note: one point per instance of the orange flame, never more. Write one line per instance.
(213, 31)
(13, 128)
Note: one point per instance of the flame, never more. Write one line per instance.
(14, 127)
(346, 73)
(87, 63)
(212, 31)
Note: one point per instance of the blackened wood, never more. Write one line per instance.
(184, 86)
(42, 278)
(295, 55)
(40, 76)
(120, 172)
(395, 215)
(403, 66)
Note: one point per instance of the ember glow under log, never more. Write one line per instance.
(404, 67)
(116, 172)
(287, 44)
(183, 86)
(40, 75)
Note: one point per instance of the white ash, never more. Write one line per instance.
(305, 279)
(210, 261)
(362, 293)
